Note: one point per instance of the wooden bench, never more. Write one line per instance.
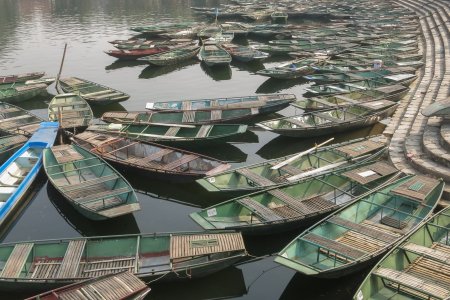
(71, 261)
(107, 266)
(179, 162)
(186, 105)
(392, 222)
(188, 116)
(404, 280)
(16, 260)
(290, 201)
(260, 210)
(216, 115)
(103, 195)
(258, 179)
(365, 230)
(203, 131)
(172, 131)
(427, 252)
(91, 182)
(333, 246)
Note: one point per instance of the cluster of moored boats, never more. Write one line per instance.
(358, 206)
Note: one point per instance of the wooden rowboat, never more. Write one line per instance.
(297, 204)
(331, 121)
(172, 57)
(121, 286)
(265, 103)
(244, 53)
(415, 269)
(9, 145)
(360, 233)
(357, 86)
(279, 16)
(291, 70)
(174, 134)
(14, 119)
(92, 92)
(20, 91)
(402, 78)
(193, 117)
(48, 264)
(212, 55)
(335, 101)
(133, 54)
(19, 172)
(20, 77)
(91, 185)
(70, 110)
(149, 158)
(256, 177)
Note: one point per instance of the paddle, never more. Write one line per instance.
(287, 161)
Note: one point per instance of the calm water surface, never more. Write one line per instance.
(32, 37)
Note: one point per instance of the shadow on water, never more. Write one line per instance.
(120, 225)
(225, 284)
(318, 288)
(155, 71)
(118, 64)
(99, 110)
(217, 73)
(273, 85)
(282, 146)
(252, 66)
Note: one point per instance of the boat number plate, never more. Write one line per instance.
(211, 212)
(367, 173)
(212, 179)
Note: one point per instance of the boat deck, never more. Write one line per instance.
(118, 286)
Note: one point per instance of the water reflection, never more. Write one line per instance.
(251, 67)
(155, 71)
(218, 73)
(273, 85)
(122, 225)
(118, 64)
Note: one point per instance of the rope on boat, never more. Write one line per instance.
(156, 279)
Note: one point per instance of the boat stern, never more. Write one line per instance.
(202, 221)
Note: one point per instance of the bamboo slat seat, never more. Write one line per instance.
(361, 242)
(72, 81)
(16, 260)
(333, 246)
(204, 131)
(90, 182)
(71, 260)
(291, 170)
(360, 148)
(260, 210)
(186, 105)
(101, 195)
(151, 157)
(290, 201)
(328, 117)
(202, 244)
(188, 116)
(318, 203)
(403, 280)
(31, 87)
(428, 252)
(218, 169)
(216, 114)
(65, 154)
(365, 230)
(119, 286)
(370, 173)
(258, 179)
(183, 160)
(107, 266)
(416, 189)
(172, 131)
(392, 222)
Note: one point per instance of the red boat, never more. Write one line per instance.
(136, 53)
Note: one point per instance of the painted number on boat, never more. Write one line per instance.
(211, 212)
(367, 173)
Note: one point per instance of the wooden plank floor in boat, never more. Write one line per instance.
(182, 246)
(16, 260)
(119, 286)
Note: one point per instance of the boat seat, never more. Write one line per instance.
(119, 210)
(102, 195)
(108, 266)
(260, 210)
(90, 182)
(71, 261)
(365, 230)
(216, 114)
(290, 201)
(188, 116)
(147, 159)
(327, 245)
(16, 260)
(172, 131)
(429, 252)
(204, 131)
(404, 281)
(392, 222)
(183, 160)
(258, 179)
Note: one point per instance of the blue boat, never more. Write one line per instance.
(20, 170)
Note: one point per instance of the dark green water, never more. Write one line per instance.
(32, 37)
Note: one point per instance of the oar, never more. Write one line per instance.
(57, 87)
(287, 161)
